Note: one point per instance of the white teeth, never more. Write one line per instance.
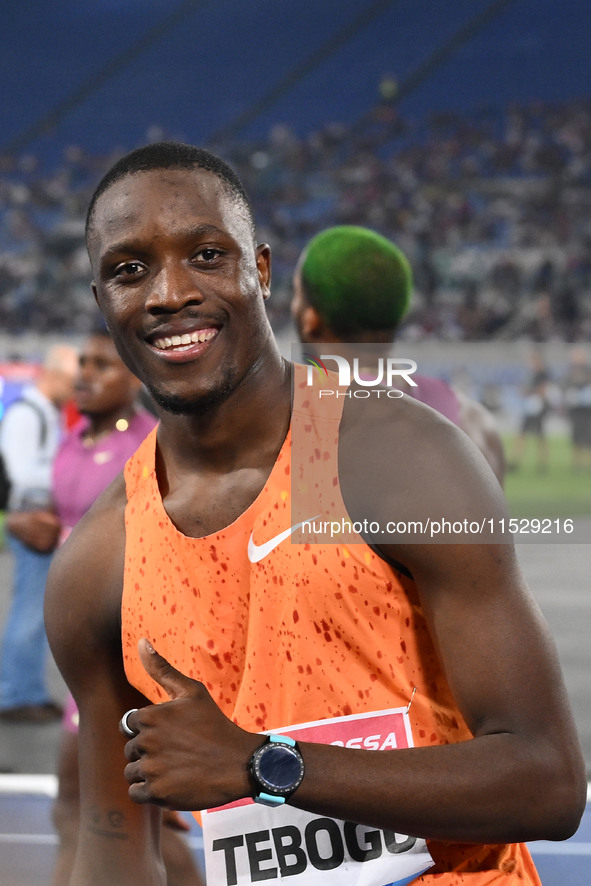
(186, 338)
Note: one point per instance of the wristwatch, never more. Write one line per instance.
(277, 770)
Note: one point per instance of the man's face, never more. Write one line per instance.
(104, 384)
(181, 284)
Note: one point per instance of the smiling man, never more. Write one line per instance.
(420, 723)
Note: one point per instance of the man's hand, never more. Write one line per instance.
(187, 754)
(38, 530)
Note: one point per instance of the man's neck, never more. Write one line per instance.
(242, 428)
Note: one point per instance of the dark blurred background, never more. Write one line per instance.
(461, 129)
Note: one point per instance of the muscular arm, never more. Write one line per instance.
(118, 840)
(522, 775)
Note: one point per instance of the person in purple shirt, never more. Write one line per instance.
(110, 429)
(108, 433)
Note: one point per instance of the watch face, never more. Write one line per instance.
(278, 768)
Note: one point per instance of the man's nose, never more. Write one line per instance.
(173, 288)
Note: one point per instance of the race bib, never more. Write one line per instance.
(248, 843)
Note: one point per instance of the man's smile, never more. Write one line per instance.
(182, 345)
(184, 340)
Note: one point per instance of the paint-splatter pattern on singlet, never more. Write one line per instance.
(309, 631)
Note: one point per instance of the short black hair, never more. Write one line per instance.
(171, 155)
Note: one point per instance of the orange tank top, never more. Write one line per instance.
(287, 633)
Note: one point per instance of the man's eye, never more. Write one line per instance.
(129, 269)
(209, 254)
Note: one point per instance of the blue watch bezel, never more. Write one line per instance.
(265, 795)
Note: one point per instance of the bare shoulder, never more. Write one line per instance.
(402, 463)
(83, 597)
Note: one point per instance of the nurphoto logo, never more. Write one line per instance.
(384, 373)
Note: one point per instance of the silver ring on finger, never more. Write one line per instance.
(124, 725)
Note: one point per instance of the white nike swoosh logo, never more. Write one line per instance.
(259, 552)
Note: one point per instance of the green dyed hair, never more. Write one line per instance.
(357, 280)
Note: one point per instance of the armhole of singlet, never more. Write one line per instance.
(395, 564)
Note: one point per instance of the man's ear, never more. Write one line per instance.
(263, 254)
(312, 326)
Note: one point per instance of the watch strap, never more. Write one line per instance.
(282, 739)
(268, 799)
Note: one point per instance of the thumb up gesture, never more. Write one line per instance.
(184, 753)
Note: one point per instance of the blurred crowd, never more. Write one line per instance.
(491, 209)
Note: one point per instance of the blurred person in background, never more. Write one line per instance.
(536, 406)
(353, 285)
(577, 397)
(29, 438)
(111, 428)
